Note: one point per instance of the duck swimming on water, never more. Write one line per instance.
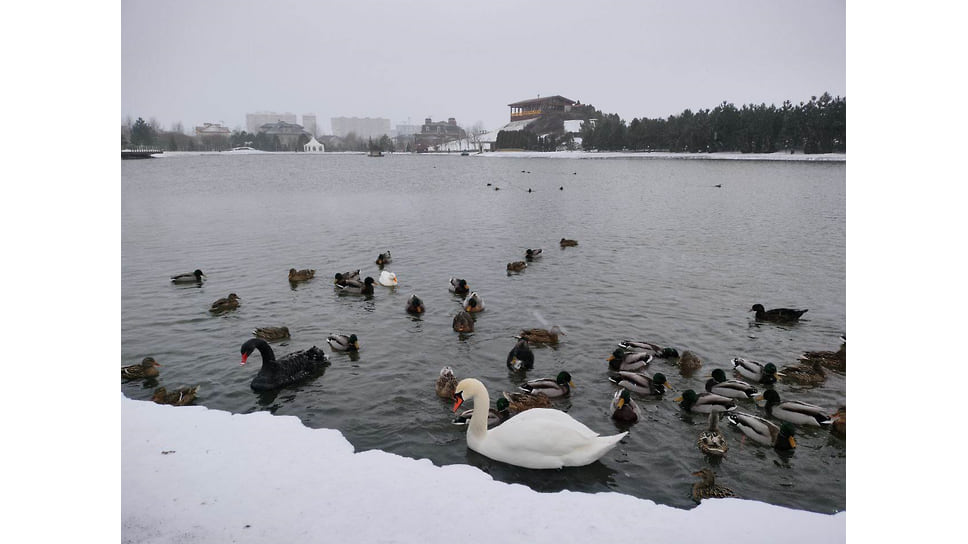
(147, 369)
(194, 277)
(292, 368)
(301, 275)
(520, 357)
(777, 315)
(458, 286)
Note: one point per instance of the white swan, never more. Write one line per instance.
(536, 438)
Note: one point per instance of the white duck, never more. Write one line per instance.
(387, 279)
(536, 438)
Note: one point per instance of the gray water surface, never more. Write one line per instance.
(663, 256)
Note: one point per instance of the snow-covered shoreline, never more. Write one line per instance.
(194, 474)
(592, 155)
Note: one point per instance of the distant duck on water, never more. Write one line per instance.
(446, 383)
(707, 488)
(560, 386)
(342, 277)
(387, 279)
(415, 305)
(383, 258)
(179, 397)
(357, 288)
(517, 266)
(532, 254)
(463, 322)
(291, 368)
(458, 286)
(148, 368)
(195, 277)
(541, 336)
(473, 303)
(568, 243)
(520, 357)
(271, 333)
(758, 372)
(343, 342)
(223, 305)
(777, 315)
(301, 275)
(629, 361)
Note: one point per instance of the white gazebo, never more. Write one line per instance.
(314, 146)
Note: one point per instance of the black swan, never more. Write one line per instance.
(290, 369)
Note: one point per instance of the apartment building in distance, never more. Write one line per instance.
(255, 120)
(363, 127)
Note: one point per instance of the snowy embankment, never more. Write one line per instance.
(190, 474)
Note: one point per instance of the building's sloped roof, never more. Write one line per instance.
(557, 97)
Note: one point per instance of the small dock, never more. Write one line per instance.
(139, 153)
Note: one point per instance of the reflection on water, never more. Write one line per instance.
(661, 256)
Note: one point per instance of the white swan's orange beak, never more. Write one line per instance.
(458, 400)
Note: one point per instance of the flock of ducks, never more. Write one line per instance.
(524, 429)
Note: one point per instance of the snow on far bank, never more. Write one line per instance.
(779, 156)
(190, 474)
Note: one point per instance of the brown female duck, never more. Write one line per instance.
(147, 369)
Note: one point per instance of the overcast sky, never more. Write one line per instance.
(196, 61)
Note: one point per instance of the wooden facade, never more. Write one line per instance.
(536, 107)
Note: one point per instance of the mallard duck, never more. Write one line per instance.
(734, 389)
(230, 302)
(707, 488)
(656, 350)
(195, 277)
(794, 411)
(532, 254)
(642, 384)
(525, 401)
(758, 372)
(291, 368)
(712, 441)
(343, 342)
(357, 288)
(560, 386)
(777, 315)
(629, 361)
(342, 277)
(568, 243)
(459, 286)
(520, 357)
(446, 383)
(541, 336)
(517, 266)
(301, 275)
(541, 438)
(839, 425)
(763, 431)
(147, 369)
(463, 322)
(180, 397)
(384, 258)
(810, 373)
(271, 333)
(704, 403)
(495, 416)
(623, 408)
(473, 303)
(688, 363)
(834, 360)
(415, 305)
(387, 279)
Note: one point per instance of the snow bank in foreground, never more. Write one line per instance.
(190, 474)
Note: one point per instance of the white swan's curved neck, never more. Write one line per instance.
(482, 404)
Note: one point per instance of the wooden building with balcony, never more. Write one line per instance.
(536, 107)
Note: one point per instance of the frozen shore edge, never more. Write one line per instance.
(192, 474)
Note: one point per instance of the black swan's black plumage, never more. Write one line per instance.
(276, 373)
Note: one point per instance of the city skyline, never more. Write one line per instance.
(222, 60)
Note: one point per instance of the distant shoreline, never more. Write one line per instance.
(587, 155)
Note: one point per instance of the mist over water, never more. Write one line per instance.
(663, 256)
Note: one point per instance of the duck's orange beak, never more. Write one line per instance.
(458, 401)
(793, 442)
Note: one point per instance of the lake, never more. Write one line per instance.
(664, 255)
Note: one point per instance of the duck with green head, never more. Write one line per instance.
(623, 408)
(758, 372)
(704, 403)
(734, 389)
(560, 386)
(764, 432)
(641, 383)
(794, 411)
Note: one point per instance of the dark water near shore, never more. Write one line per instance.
(663, 256)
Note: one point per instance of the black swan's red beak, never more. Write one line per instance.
(245, 356)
